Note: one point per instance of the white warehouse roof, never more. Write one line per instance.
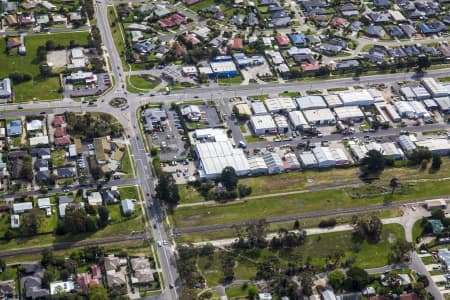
(310, 102)
(436, 146)
(297, 119)
(264, 122)
(435, 88)
(259, 108)
(308, 159)
(324, 157)
(406, 143)
(281, 103)
(348, 112)
(215, 156)
(333, 100)
(319, 115)
(356, 98)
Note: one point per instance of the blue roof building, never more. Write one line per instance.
(297, 39)
(14, 128)
(224, 69)
(243, 60)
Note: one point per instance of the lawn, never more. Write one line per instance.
(236, 80)
(317, 247)
(254, 139)
(129, 192)
(116, 31)
(10, 273)
(301, 203)
(137, 84)
(417, 230)
(58, 158)
(237, 291)
(39, 88)
(201, 5)
(289, 94)
(188, 194)
(444, 79)
(126, 163)
(428, 260)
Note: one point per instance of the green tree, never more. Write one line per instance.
(103, 214)
(419, 154)
(167, 190)
(400, 251)
(373, 162)
(356, 280)
(438, 214)
(393, 184)
(229, 178)
(436, 163)
(97, 292)
(75, 219)
(32, 220)
(336, 279)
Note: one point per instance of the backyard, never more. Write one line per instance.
(37, 88)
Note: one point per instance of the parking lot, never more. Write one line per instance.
(103, 83)
(181, 170)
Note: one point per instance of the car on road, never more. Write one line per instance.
(196, 97)
(152, 95)
(171, 285)
(42, 112)
(19, 107)
(159, 244)
(154, 225)
(165, 243)
(148, 194)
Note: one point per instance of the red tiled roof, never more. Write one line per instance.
(314, 66)
(172, 20)
(282, 40)
(191, 38)
(237, 44)
(338, 21)
(60, 131)
(410, 296)
(64, 140)
(59, 120)
(96, 271)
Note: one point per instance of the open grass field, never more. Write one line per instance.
(115, 25)
(237, 291)
(188, 194)
(39, 88)
(317, 247)
(137, 84)
(230, 81)
(292, 181)
(129, 192)
(274, 227)
(126, 163)
(301, 203)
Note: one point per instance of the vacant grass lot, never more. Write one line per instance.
(274, 227)
(115, 25)
(39, 88)
(188, 194)
(230, 81)
(301, 203)
(318, 248)
(137, 84)
(292, 181)
(126, 163)
(129, 192)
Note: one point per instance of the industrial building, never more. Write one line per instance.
(333, 100)
(405, 109)
(339, 156)
(322, 116)
(282, 123)
(391, 150)
(324, 157)
(215, 156)
(349, 113)
(435, 88)
(298, 120)
(263, 124)
(388, 112)
(443, 103)
(223, 68)
(242, 109)
(406, 143)
(308, 160)
(421, 93)
(274, 163)
(258, 108)
(407, 93)
(257, 165)
(310, 102)
(291, 162)
(430, 104)
(280, 104)
(356, 98)
(419, 109)
(439, 147)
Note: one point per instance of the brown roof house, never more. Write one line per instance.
(114, 277)
(142, 273)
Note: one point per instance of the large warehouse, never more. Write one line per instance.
(298, 120)
(310, 102)
(435, 88)
(322, 116)
(349, 113)
(280, 104)
(333, 100)
(263, 124)
(324, 157)
(356, 98)
(258, 108)
(438, 147)
(215, 156)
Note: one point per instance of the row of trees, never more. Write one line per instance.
(77, 220)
